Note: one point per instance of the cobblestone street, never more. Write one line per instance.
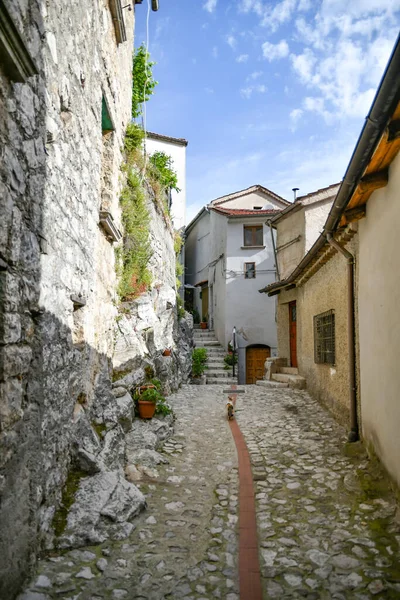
(325, 517)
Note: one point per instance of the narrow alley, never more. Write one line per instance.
(326, 516)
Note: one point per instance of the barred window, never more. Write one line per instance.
(249, 270)
(324, 338)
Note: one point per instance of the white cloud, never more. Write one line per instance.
(248, 91)
(271, 16)
(254, 75)
(209, 90)
(274, 51)
(242, 58)
(231, 41)
(210, 5)
(215, 52)
(295, 117)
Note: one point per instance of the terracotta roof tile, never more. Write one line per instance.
(245, 212)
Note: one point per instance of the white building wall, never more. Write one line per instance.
(217, 279)
(197, 255)
(250, 201)
(252, 313)
(177, 152)
(379, 325)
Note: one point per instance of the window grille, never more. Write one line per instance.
(249, 270)
(324, 338)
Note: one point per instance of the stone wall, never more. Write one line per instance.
(57, 171)
(147, 326)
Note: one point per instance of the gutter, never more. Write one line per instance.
(354, 432)
(386, 99)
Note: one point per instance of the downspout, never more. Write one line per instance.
(273, 246)
(353, 433)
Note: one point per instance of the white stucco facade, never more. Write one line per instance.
(176, 149)
(215, 258)
(379, 326)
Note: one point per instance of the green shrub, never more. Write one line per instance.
(231, 359)
(179, 305)
(199, 358)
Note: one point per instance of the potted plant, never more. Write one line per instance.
(167, 352)
(196, 316)
(151, 401)
(203, 322)
(146, 402)
(199, 359)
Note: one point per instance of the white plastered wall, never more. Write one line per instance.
(379, 323)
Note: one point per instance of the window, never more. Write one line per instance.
(253, 235)
(324, 338)
(257, 207)
(249, 270)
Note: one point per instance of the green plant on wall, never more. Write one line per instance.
(133, 257)
(143, 83)
(161, 168)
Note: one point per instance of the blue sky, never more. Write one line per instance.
(271, 93)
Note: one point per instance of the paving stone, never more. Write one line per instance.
(317, 530)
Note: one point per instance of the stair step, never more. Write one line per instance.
(220, 373)
(206, 343)
(288, 370)
(222, 381)
(294, 381)
(271, 384)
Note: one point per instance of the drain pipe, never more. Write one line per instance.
(354, 433)
(273, 246)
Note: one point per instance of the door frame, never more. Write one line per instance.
(293, 344)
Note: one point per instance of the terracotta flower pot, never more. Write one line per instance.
(143, 388)
(167, 352)
(146, 409)
(203, 325)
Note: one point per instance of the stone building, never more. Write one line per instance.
(65, 102)
(345, 290)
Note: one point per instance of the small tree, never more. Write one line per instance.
(162, 170)
(143, 83)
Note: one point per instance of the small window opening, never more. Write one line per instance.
(250, 270)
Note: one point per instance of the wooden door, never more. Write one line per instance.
(255, 359)
(204, 303)
(293, 333)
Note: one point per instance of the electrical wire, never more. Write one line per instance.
(144, 117)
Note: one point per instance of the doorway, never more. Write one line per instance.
(255, 359)
(204, 303)
(293, 333)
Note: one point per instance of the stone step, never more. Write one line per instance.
(215, 357)
(271, 384)
(222, 381)
(288, 370)
(207, 343)
(217, 366)
(203, 332)
(294, 381)
(221, 373)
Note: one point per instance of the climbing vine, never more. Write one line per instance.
(143, 83)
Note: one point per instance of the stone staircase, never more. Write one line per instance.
(285, 377)
(215, 373)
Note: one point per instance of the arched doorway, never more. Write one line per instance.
(256, 356)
